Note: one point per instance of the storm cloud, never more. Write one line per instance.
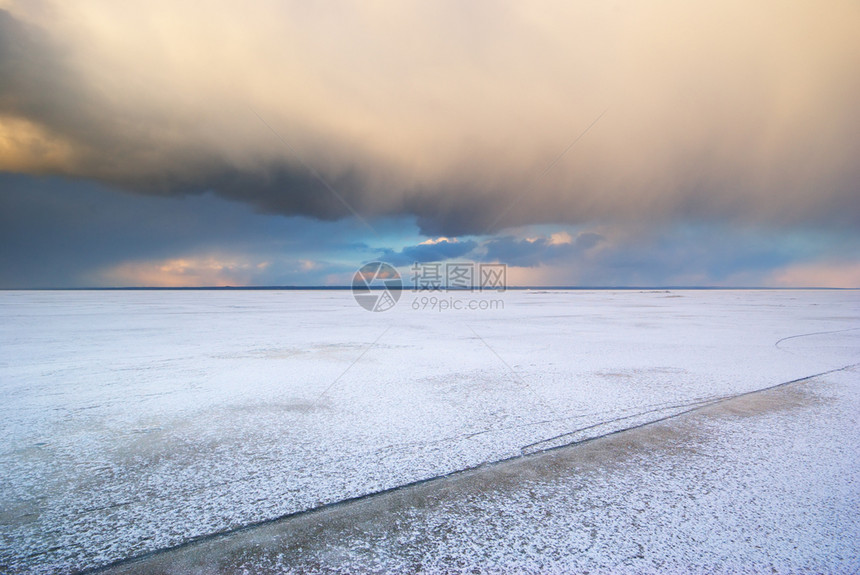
(456, 114)
(429, 251)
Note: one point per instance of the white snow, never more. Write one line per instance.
(136, 420)
(762, 483)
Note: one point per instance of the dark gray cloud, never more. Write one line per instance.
(540, 251)
(707, 119)
(60, 233)
(432, 251)
(702, 254)
(56, 232)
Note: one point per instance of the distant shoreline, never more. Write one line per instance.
(409, 288)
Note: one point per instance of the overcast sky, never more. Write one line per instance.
(647, 142)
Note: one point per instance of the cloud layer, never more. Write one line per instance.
(449, 112)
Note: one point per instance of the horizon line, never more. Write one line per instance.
(410, 288)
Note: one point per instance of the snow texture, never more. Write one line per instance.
(138, 420)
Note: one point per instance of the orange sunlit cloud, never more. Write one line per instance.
(183, 272)
(827, 274)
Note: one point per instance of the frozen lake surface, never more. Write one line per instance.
(137, 420)
(761, 483)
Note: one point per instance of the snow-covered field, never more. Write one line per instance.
(137, 420)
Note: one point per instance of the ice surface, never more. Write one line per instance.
(761, 483)
(136, 420)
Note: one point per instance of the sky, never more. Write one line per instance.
(580, 143)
